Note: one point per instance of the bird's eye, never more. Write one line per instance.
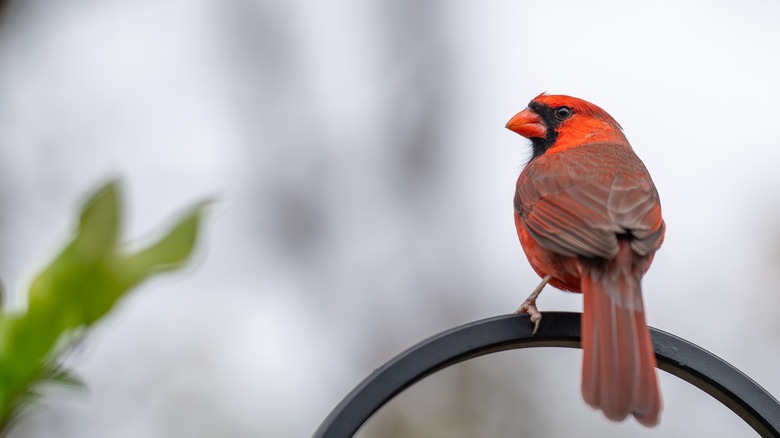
(563, 113)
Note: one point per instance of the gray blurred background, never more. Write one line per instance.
(365, 181)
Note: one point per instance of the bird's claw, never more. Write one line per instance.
(529, 307)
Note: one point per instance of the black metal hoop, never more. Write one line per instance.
(676, 356)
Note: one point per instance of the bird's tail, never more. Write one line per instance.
(618, 366)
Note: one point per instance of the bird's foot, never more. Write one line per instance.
(529, 305)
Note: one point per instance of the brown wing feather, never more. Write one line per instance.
(635, 207)
(576, 204)
(570, 228)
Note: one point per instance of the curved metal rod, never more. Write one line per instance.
(558, 329)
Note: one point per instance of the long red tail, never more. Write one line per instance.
(618, 366)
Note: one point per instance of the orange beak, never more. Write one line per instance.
(528, 124)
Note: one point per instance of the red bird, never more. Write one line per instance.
(589, 220)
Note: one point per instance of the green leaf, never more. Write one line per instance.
(99, 225)
(170, 252)
(80, 286)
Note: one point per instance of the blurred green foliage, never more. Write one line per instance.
(74, 291)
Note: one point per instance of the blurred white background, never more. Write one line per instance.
(365, 181)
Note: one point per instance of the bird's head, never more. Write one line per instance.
(555, 123)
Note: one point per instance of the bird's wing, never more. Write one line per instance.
(635, 208)
(575, 218)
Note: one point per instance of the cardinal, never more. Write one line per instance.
(589, 220)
